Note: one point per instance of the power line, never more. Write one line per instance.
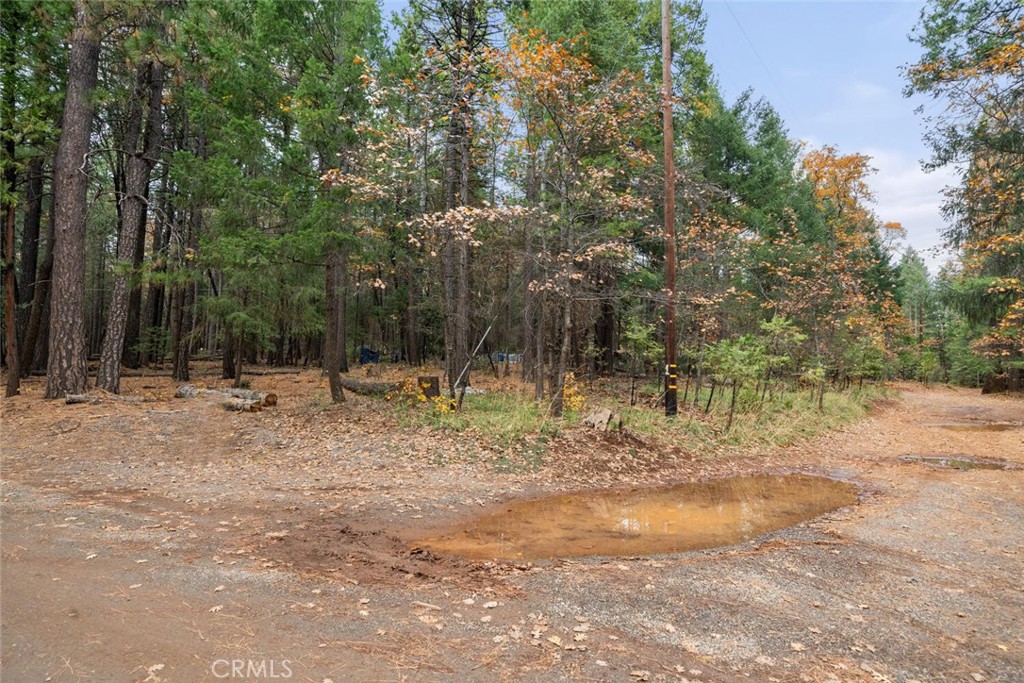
(753, 49)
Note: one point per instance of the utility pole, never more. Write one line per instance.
(671, 371)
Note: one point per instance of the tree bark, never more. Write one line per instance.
(149, 86)
(187, 250)
(132, 354)
(466, 35)
(412, 340)
(152, 315)
(540, 332)
(30, 239)
(182, 304)
(227, 361)
(239, 352)
(66, 365)
(333, 347)
(558, 397)
(10, 59)
(182, 349)
(463, 354)
(10, 305)
(34, 350)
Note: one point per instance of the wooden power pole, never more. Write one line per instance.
(671, 371)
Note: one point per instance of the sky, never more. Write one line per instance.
(832, 71)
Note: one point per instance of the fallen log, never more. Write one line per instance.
(264, 398)
(241, 405)
(71, 399)
(250, 370)
(369, 388)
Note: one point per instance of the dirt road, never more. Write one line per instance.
(172, 541)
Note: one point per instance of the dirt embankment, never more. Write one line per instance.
(168, 541)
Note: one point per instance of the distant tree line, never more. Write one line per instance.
(291, 182)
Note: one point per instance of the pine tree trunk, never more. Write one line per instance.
(449, 260)
(10, 304)
(131, 356)
(558, 397)
(182, 352)
(539, 332)
(149, 86)
(10, 178)
(228, 369)
(239, 352)
(96, 301)
(333, 349)
(462, 315)
(41, 358)
(66, 371)
(279, 342)
(464, 34)
(174, 321)
(131, 353)
(33, 342)
(152, 313)
(412, 341)
(182, 313)
(30, 241)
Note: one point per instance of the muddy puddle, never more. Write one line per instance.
(957, 462)
(975, 426)
(669, 519)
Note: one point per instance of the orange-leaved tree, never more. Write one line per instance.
(973, 62)
(580, 136)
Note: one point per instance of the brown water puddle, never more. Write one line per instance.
(669, 519)
(957, 462)
(974, 426)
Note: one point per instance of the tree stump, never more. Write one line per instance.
(430, 386)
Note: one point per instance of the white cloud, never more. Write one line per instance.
(862, 93)
(859, 106)
(907, 194)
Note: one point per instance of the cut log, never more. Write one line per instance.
(100, 398)
(369, 388)
(264, 398)
(241, 405)
(261, 372)
(192, 391)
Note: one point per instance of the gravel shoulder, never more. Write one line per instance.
(164, 541)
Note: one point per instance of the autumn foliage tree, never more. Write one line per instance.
(973, 61)
(580, 136)
(291, 183)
